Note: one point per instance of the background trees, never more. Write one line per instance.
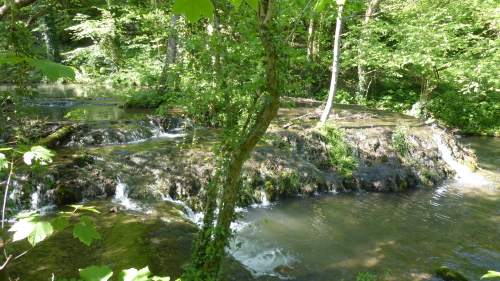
(428, 58)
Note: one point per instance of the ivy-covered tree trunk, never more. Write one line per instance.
(212, 242)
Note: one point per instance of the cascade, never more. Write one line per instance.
(263, 196)
(463, 173)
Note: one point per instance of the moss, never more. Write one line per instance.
(403, 185)
(449, 274)
(64, 195)
(290, 183)
(384, 159)
(270, 191)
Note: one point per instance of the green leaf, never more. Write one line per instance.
(236, 3)
(320, 6)
(39, 232)
(193, 8)
(30, 227)
(65, 214)
(95, 273)
(491, 274)
(86, 221)
(3, 161)
(85, 234)
(60, 223)
(254, 4)
(133, 274)
(38, 153)
(14, 60)
(53, 70)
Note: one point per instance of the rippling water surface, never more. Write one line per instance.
(398, 236)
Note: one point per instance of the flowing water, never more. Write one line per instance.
(397, 236)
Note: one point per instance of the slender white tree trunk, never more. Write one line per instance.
(335, 67)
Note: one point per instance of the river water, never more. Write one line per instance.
(397, 236)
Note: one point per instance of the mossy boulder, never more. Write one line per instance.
(449, 274)
(65, 195)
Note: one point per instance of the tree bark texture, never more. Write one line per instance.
(335, 67)
(211, 265)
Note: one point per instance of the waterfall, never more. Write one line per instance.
(463, 173)
(263, 196)
(121, 197)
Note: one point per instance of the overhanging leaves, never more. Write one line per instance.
(193, 9)
(53, 70)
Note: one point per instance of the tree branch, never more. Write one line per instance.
(41, 13)
(7, 8)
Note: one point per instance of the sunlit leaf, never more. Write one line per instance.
(193, 9)
(52, 70)
(40, 231)
(95, 273)
(38, 153)
(133, 274)
(23, 228)
(491, 274)
(3, 161)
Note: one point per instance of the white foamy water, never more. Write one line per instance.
(463, 173)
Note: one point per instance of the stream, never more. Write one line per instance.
(397, 236)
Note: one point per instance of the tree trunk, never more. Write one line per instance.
(335, 67)
(171, 51)
(210, 259)
(362, 88)
(311, 48)
(53, 139)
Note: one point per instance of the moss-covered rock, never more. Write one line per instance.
(449, 274)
